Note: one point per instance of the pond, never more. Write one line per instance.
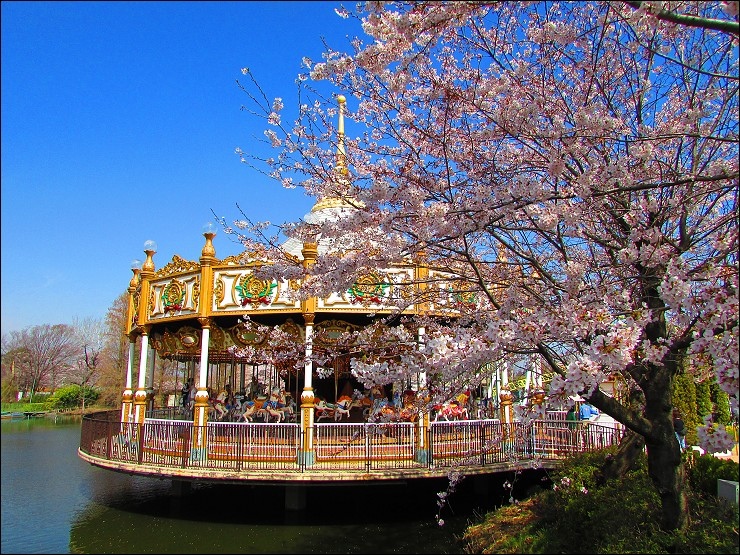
(53, 502)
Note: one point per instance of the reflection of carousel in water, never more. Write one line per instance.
(296, 418)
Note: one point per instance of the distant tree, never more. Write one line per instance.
(113, 370)
(85, 371)
(42, 354)
(684, 399)
(9, 379)
(703, 399)
(721, 401)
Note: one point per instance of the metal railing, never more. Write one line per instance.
(338, 447)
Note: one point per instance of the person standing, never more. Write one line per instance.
(679, 427)
(587, 411)
(572, 418)
(185, 393)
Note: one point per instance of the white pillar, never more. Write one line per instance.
(203, 365)
(307, 455)
(423, 421)
(200, 411)
(130, 365)
(141, 397)
(308, 367)
(142, 361)
(127, 404)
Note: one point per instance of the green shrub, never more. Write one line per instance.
(71, 396)
(39, 397)
(581, 514)
(577, 499)
(704, 471)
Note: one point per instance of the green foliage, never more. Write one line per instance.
(684, 399)
(26, 407)
(580, 515)
(576, 498)
(40, 397)
(721, 400)
(705, 470)
(703, 399)
(9, 391)
(71, 396)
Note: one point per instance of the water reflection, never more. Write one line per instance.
(219, 518)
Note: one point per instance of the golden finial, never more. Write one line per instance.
(341, 153)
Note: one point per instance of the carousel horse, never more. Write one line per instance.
(250, 410)
(342, 408)
(325, 410)
(333, 410)
(286, 404)
(276, 406)
(270, 410)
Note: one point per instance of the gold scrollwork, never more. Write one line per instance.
(218, 292)
(195, 296)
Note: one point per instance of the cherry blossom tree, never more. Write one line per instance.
(574, 167)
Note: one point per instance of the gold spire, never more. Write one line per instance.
(341, 166)
(336, 200)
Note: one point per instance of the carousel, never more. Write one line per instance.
(255, 412)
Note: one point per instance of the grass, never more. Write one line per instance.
(25, 407)
(576, 516)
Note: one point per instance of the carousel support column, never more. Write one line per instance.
(506, 399)
(539, 432)
(527, 384)
(145, 275)
(421, 454)
(497, 396)
(306, 452)
(140, 396)
(127, 404)
(200, 412)
(307, 455)
(199, 450)
(150, 378)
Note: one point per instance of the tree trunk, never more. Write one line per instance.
(666, 471)
(668, 474)
(618, 465)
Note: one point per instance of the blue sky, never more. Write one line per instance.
(119, 125)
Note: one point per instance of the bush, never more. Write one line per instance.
(579, 514)
(71, 396)
(704, 471)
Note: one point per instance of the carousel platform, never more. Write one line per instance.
(340, 452)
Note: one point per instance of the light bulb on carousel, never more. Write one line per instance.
(150, 248)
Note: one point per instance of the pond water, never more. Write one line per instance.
(53, 502)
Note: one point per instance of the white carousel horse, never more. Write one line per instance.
(250, 410)
(269, 411)
(342, 408)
